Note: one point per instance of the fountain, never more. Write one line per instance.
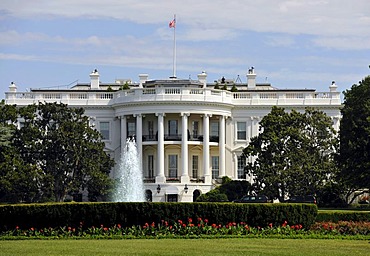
(130, 187)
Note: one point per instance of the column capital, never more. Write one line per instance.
(160, 114)
(255, 118)
(207, 115)
(185, 114)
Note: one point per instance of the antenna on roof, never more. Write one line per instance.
(238, 80)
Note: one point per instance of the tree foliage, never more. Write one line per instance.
(57, 154)
(229, 190)
(293, 154)
(355, 136)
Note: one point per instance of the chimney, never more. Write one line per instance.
(203, 78)
(251, 78)
(12, 87)
(94, 77)
(143, 78)
(333, 87)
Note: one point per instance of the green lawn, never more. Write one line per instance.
(171, 247)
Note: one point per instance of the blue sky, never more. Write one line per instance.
(291, 43)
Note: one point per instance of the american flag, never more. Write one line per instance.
(172, 23)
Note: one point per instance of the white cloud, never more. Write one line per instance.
(315, 17)
(278, 41)
(344, 43)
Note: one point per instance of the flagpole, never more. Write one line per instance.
(174, 48)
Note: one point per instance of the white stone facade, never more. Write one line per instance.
(189, 134)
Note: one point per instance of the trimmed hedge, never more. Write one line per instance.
(336, 216)
(128, 214)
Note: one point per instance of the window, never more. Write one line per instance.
(151, 129)
(172, 166)
(195, 167)
(215, 167)
(131, 128)
(241, 131)
(195, 129)
(171, 198)
(104, 130)
(214, 132)
(214, 129)
(241, 165)
(150, 166)
(172, 127)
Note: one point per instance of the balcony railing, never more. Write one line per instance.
(172, 179)
(168, 94)
(198, 179)
(172, 137)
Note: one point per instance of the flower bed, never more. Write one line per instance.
(200, 228)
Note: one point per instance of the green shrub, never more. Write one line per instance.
(128, 214)
(336, 216)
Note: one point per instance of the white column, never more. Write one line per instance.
(254, 122)
(139, 136)
(221, 146)
(184, 149)
(123, 131)
(160, 178)
(207, 175)
(235, 162)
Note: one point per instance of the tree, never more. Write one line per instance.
(293, 154)
(229, 190)
(354, 155)
(67, 151)
(18, 180)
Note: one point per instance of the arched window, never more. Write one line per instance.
(148, 195)
(196, 194)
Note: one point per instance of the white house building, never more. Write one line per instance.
(188, 133)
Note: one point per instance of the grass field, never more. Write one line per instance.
(173, 247)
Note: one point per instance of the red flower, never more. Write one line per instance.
(199, 219)
(270, 225)
(153, 225)
(284, 224)
(32, 229)
(206, 220)
(184, 225)
(190, 220)
(17, 227)
(180, 222)
(118, 225)
(214, 225)
(105, 229)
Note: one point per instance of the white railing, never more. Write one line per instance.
(171, 94)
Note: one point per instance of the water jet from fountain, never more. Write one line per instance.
(130, 186)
